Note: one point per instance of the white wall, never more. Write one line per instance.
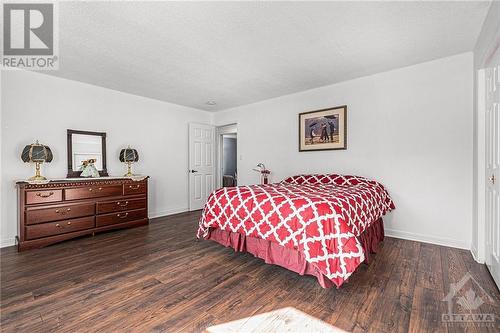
(409, 128)
(38, 106)
(487, 42)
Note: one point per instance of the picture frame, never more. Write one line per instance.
(324, 129)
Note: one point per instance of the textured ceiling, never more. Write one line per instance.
(237, 53)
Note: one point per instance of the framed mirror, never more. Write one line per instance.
(84, 145)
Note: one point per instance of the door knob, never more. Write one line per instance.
(193, 171)
(492, 179)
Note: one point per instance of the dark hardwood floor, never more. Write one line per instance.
(159, 278)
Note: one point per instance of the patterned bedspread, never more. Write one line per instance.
(319, 215)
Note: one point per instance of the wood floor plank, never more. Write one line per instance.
(427, 309)
(159, 278)
(429, 269)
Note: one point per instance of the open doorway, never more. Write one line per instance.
(227, 138)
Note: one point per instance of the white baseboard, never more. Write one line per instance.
(427, 239)
(4, 242)
(388, 232)
(168, 212)
(474, 253)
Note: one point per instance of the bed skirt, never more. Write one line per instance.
(292, 259)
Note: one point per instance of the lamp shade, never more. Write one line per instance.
(129, 155)
(36, 153)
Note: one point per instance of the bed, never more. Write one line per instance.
(320, 225)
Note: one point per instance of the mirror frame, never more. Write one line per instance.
(75, 174)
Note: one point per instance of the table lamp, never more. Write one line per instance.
(38, 154)
(129, 156)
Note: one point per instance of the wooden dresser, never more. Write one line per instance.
(60, 210)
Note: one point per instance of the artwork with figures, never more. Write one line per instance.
(324, 129)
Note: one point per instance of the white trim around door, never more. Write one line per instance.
(220, 131)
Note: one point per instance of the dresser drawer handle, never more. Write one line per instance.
(63, 212)
(122, 204)
(59, 226)
(100, 188)
(122, 216)
(44, 195)
(134, 187)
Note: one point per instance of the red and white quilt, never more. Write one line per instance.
(319, 215)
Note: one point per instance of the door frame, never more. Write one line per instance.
(479, 253)
(219, 132)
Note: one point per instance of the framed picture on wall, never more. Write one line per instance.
(324, 129)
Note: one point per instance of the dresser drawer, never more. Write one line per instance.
(115, 218)
(57, 228)
(134, 188)
(120, 205)
(92, 192)
(35, 197)
(55, 213)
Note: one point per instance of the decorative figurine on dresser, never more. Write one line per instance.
(51, 211)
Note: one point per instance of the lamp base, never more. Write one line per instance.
(37, 177)
(129, 170)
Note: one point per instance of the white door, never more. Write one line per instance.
(492, 120)
(201, 164)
